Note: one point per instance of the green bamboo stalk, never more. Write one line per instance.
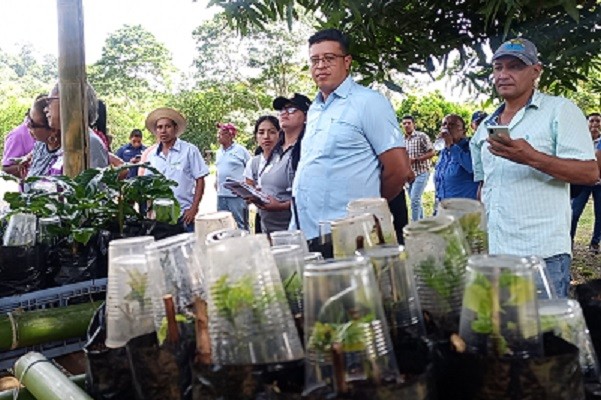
(24, 394)
(47, 325)
(45, 381)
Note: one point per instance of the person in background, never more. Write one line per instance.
(177, 160)
(18, 144)
(454, 174)
(477, 118)
(266, 134)
(579, 202)
(99, 157)
(230, 161)
(526, 173)
(46, 158)
(352, 147)
(132, 151)
(277, 180)
(420, 151)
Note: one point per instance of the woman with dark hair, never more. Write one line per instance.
(47, 154)
(277, 179)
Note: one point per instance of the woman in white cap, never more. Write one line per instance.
(178, 160)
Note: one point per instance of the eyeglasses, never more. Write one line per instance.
(49, 99)
(32, 125)
(288, 110)
(327, 59)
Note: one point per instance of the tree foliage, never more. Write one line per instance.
(414, 35)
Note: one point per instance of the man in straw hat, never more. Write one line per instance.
(525, 155)
(177, 160)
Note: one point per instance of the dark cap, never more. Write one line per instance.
(478, 116)
(302, 102)
(520, 48)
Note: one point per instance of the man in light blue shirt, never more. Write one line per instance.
(230, 162)
(525, 174)
(177, 160)
(352, 147)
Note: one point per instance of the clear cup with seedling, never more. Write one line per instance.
(437, 253)
(500, 315)
(472, 218)
(377, 206)
(347, 341)
(165, 211)
(291, 264)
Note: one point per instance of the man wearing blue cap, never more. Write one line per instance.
(525, 172)
(477, 118)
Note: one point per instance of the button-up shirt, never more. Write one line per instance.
(418, 144)
(454, 175)
(183, 164)
(230, 163)
(345, 134)
(127, 152)
(528, 210)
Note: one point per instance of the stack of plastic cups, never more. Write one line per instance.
(128, 301)
(499, 317)
(377, 206)
(256, 328)
(175, 269)
(289, 237)
(346, 335)
(564, 318)
(207, 223)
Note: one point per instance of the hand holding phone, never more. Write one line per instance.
(496, 132)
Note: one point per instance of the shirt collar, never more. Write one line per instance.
(533, 102)
(177, 146)
(343, 90)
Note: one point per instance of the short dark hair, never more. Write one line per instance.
(458, 118)
(333, 35)
(593, 114)
(408, 117)
(135, 133)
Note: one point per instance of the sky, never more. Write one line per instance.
(170, 21)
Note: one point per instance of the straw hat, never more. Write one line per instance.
(166, 112)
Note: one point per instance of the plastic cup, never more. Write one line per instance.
(289, 237)
(379, 207)
(353, 233)
(544, 285)
(313, 256)
(223, 234)
(397, 288)
(439, 144)
(472, 217)
(128, 302)
(164, 210)
(175, 269)
(346, 335)
(211, 222)
(249, 317)
(499, 316)
(45, 225)
(290, 261)
(564, 318)
(21, 230)
(437, 253)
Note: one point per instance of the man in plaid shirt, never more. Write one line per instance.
(420, 151)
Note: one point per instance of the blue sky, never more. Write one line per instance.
(171, 21)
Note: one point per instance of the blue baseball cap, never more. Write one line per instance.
(478, 116)
(521, 48)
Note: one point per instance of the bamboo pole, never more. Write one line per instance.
(72, 87)
(79, 380)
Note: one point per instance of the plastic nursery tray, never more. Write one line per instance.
(50, 298)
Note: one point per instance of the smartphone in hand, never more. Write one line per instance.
(496, 131)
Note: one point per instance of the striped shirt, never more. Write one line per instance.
(529, 211)
(418, 144)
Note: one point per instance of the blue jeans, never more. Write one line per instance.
(416, 190)
(237, 206)
(578, 204)
(559, 272)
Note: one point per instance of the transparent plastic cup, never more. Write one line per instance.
(379, 207)
(164, 210)
(211, 222)
(346, 335)
(45, 226)
(312, 257)
(175, 269)
(289, 237)
(544, 285)
(564, 318)
(249, 317)
(439, 144)
(352, 233)
(290, 261)
(222, 234)
(472, 217)
(499, 316)
(397, 288)
(21, 230)
(437, 253)
(128, 301)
